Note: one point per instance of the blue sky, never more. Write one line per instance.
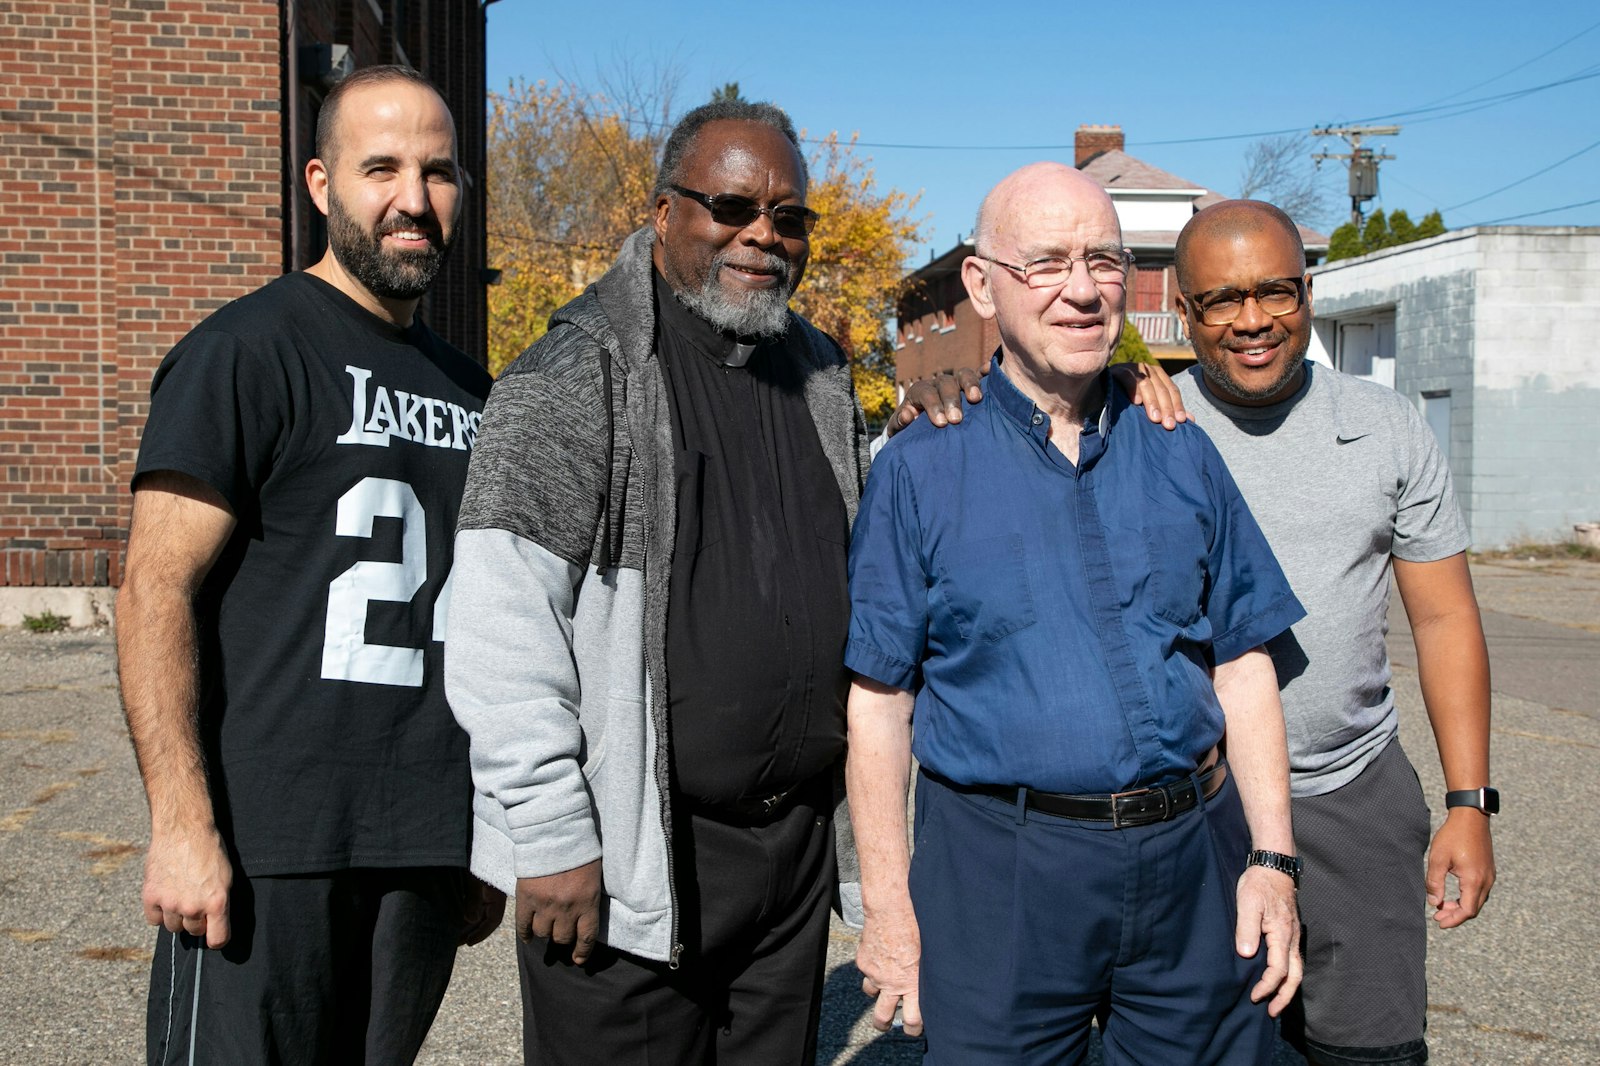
(1006, 81)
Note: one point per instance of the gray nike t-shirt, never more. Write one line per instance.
(1340, 476)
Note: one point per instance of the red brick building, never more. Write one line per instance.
(156, 150)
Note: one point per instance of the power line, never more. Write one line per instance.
(1452, 111)
(1530, 177)
(1519, 66)
(1531, 214)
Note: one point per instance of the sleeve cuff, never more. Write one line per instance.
(885, 669)
(1259, 628)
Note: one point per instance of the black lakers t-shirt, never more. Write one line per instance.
(341, 443)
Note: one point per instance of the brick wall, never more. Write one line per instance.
(147, 192)
(150, 184)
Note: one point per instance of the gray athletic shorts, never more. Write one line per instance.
(1363, 906)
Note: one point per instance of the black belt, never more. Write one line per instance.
(1143, 806)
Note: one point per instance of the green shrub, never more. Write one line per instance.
(45, 622)
(1131, 347)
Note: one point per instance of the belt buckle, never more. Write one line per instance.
(1163, 791)
(770, 804)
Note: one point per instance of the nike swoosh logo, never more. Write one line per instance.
(1342, 439)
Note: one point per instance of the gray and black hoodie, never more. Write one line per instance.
(555, 660)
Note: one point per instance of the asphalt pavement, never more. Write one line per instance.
(1516, 986)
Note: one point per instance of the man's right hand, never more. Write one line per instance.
(939, 396)
(889, 958)
(187, 878)
(563, 907)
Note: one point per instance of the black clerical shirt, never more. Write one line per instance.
(758, 609)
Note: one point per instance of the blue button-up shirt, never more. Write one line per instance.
(1057, 622)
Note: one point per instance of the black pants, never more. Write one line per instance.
(345, 967)
(753, 905)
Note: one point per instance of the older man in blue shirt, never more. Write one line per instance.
(1075, 628)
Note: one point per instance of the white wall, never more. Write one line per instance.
(1507, 321)
(1160, 211)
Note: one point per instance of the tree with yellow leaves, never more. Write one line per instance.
(570, 177)
(858, 254)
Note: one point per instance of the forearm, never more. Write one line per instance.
(1453, 667)
(877, 777)
(158, 667)
(512, 681)
(1452, 664)
(1257, 747)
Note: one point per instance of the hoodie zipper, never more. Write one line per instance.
(676, 952)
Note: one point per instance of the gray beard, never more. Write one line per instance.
(762, 313)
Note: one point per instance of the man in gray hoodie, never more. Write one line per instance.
(646, 646)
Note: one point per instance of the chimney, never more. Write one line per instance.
(1090, 141)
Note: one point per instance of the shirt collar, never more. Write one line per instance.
(1325, 381)
(696, 331)
(1025, 413)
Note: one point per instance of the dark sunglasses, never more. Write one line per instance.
(728, 209)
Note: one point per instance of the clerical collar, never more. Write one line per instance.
(696, 331)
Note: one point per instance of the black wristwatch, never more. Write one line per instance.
(1273, 860)
(1486, 799)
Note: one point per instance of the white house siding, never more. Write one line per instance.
(1507, 320)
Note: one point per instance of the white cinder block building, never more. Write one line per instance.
(1494, 333)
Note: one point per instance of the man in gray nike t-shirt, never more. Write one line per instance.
(1347, 482)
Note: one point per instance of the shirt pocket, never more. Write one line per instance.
(1176, 556)
(984, 583)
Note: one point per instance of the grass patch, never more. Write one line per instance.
(1559, 551)
(45, 622)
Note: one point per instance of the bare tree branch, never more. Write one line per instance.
(1280, 171)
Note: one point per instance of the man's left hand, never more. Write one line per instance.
(1461, 847)
(1267, 911)
(484, 909)
(1149, 386)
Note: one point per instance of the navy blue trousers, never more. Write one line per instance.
(1032, 925)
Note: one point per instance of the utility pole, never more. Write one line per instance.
(1363, 161)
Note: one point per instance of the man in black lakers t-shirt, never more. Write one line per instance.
(280, 622)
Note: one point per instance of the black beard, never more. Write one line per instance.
(1215, 368)
(393, 275)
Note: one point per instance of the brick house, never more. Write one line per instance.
(938, 330)
(157, 150)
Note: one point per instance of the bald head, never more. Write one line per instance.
(1229, 221)
(1058, 321)
(1010, 204)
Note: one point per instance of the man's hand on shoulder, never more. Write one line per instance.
(1150, 387)
(939, 397)
(187, 878)
(889, 958)
(1461, 847)
(563, 907)
(1267, 911)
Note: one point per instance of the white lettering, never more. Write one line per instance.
(435, 422)
(382, 420)
(426, 420)
(409, 407)
(357, 434)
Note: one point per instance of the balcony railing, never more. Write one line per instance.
(1158, 327)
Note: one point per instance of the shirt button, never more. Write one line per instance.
(1037, 418)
